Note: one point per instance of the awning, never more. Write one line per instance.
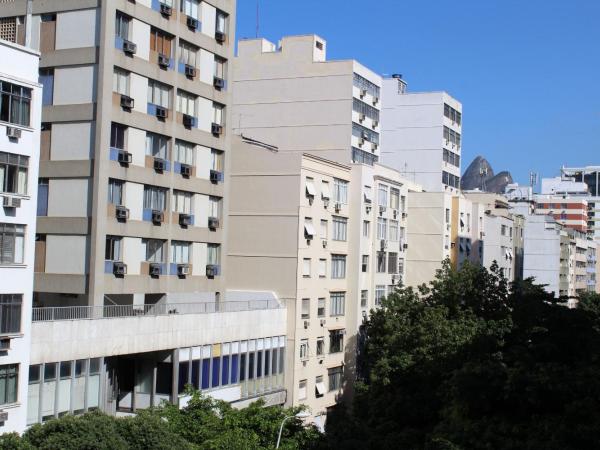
(309, 230)
(325, 191)
(368, 196)
(320, 387)
(310, 188)
(462, 224)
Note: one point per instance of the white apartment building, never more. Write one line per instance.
(20, 113)
(422, 135)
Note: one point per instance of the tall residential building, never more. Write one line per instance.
(422, 135)
(572, 212)
(20, 112)
(130, 302)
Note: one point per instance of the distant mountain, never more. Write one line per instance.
(480, 175)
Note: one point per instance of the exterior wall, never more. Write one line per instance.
(542, 252)
(570, 212)
(20, 66)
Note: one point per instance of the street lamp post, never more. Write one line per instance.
(300, 415)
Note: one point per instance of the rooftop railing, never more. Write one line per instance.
(54, 313)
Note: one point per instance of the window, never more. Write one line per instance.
(379, 294)
(340, 191)
(305, 308)
(366, 228)
(310, 188)
(322, 268)
(392, 262)
(221, 22)
(319, 387)
(503, 230)
(450, 180)
(186, 103)
(336, 341)
(190, 8)
(113, 248)
(394, 198)
(394, 231)
(365, 133)
(335, 378)
(13, 173)
(401, 265)
(364, 298)
(216, 160)
(66, 370)
(220, 67)
(304, 349)
(214, 207)
(338, 266)
(380, 262)
(46, 79)
(365, 263)
(161, 42)
(154, 250)
(321, 307)
(218, 113)
(363, 108)
(447, 215)
(320, 346)
(324, 229)
(403, 204)
(158, 93)
(188, 53)
(381, 228)
(302, 390)
(9, 381)
(117, 136)
(309, 230)
(10, 313)
(120, 81)
(182, 202)
(306, 268)
(184, 152)
(115, 191)
(35, 373)
(364, 84)
(337, 303)
(180, 252)
(15, 103)
(340, 226)
(382, 195)
(363, 157)
(213, 254)
(122, 25)
(156, 145)
(12, 243)
(154, 198)
(325, 191)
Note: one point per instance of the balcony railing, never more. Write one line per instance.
(46, 314)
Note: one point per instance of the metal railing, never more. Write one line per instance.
(46, 314)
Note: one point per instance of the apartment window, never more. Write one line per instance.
(13, 173)
(190, 8)
(325, 191)
(120, 81)
(154, 250)
(10, 313)
(302, 390)
(304, 349)
(324, 229)
(115, 191)
(310, 188)
(66, 370)
(182, 202)
(12, 243)
(117, 136)
(365, 133)
(188, 53)
(15, 103)
(365, 263)
(214, 254)
(366, 228)
(306, 267)
(9, 381)
(364, 298)
(46, 79)
(305, 308)
(216, 160)
(363, 108)
(364, 84)
(336, 341)
(158, 93)
(392, 262)
(218, 113)
(379, 293)
(184, 152)
(319, 387)
(340, 191)
(382, 195)
(363, 157)
(180, 252)
(322, 268)
(381, 262)
(335, 378)
(447, 215)
(337, 303)
(214, 207)
(321, 307)
(161, 42)
(503, 230)
(113, 248)
(401, 265)
(338, 266)
(220, 67)
(221, 22)
(394, 231)
(154, 198)
(156, 145)
(122, 25)
(320, 346)
(381, 228)
(340, 227)
(186, 103)
(394, 198)
(403, 204)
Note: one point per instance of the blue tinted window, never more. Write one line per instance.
(234, 368)
(205, 373)
(215, 371)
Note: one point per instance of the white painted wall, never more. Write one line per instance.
(200, 209)
(140, 35)
(208, 16)
(205, 114)
(207, 66)
(71, 141)
(203, 158)
(199, 253)
(74, 85)
(68, 197)
(75, 29)
(57, 249)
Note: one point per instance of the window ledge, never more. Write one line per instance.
(14, 194)
(10, 405)
(11, 335)
(13, 266)
(15, 125)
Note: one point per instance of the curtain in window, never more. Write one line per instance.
(184, 153)
(190, 8)
(180, 252)
(213, 252)
(22, 181)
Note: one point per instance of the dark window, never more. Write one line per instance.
(9, 380)
(66, 369)
(34, 374)
(267, 362)
(12, 243)
(336, 341)
(259, 355)
(10, 313)
(251, 366)
(49, 371)
(117, 136)
(225, 371)
(205, 373)
(242, 367)
(234, 368)
(215, 371)
(15, 103)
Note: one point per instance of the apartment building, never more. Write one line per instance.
(20, 112)
(422, 135)
(572, 212)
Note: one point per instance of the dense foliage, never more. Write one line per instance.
(469, 362)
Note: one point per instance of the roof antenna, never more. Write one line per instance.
(257, 17)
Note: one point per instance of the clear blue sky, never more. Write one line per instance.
(526, 71)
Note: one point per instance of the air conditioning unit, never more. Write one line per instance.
(129, 47)
(383, 244)
(375, 123)
(216, 129)
(160, 164)
(404, 215)
(218, 82)
(11, 202)
(220, 37)
(126, 102)
(188, 121)
(163, 61)
(361, 142)
(161, 112)
(13, 133)
(185, 170)
(183, 270)
(185, 220)
(121, 213)
(4, 344)
(306, 324)
(375, 146)
(124, 157)
(361, 117)
(155, 269)
(212, 270)
(381, 210)
(375, 100)
(395, 213)
(365, 135)
(215, 176)
(119, 268)
(190, 71)
(324, 243)
(363, 92)
(157, 216)
(326, 203)
(368, 209)
(338, 207)
(166, 10)
(213, 223)
(405, 246)
(192, 23)
(323, 322)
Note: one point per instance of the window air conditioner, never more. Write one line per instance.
(185, 170)
(213, 223)
(375, 100)
(405, 246)
(119, 268)
(13, 133)
(190, 71)
(126, 102)
(404, 215)
(129, 47)
(338, 207)
(361, 117)
(363, 92)
(163, 61)
(166, 10)
(324, 243)
(216, 129)
(306, 324)
(121, 213)
(192, 23)
(4, 344)
(220, 37)
(361, 142)
(157, 216)
(395, 213)
(11, 202)
(375, 123)
(185, 220)
(212, 270)
(161, 112)
(215, 176)
(218, 82)
(183, 270)
(188, 121)
(159, 164)
(381, 210)
(154, 269)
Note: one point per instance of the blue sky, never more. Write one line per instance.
(526, 71)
